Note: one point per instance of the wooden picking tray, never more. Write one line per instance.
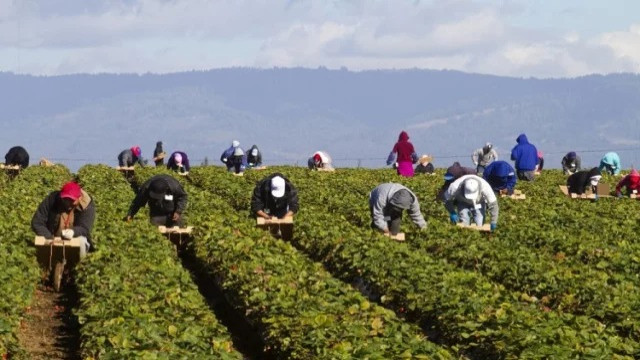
(175, 230)
(483, 228)
(43, 250)
(396, 237)
(260, 221)
(517, 195)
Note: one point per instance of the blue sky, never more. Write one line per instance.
(540, 38)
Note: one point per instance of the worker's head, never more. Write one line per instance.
(158, 189)
(487, 147)
(595, 179)
(571, 155)
(70, 195)
(471, 189)
(277, 186)
(317, 159)
(136, 151)
(235, 143)
(400, 200)
(177, 158)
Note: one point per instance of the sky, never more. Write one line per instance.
(534, 38)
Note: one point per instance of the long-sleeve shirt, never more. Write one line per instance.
(47, 219)
(500, 175)
(177, 204)
(610, 160)
(479, 157)
(379, 205)
(571, 165)
(455, 194)
(524, 154)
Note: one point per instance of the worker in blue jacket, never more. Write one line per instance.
(525, 156)
(501, 176)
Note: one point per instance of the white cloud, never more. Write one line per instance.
(62, 36)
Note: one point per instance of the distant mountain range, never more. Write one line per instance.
(290, 113)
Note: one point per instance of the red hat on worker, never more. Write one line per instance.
(71, 190)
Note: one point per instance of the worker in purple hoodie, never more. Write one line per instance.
(179, 162)
(525, 156)
(406, 155)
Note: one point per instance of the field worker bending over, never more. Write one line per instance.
(274, 196)
(453, 173)
(319, 160)
(483, 157)
(472, 196)
(580, 181)
(631, 182)
(611, 163)
(67, 213)
(166, 198)
(425, 165)
(571, 163)
(501, 176)
(157, 153)
(129, 157)
(228, 153)
(406, 155)
(179, 161)
(387, 201)
(17, 155)
(237, 160)
(254, 157)
(525, 156)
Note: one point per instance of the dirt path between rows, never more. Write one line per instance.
(49, 330)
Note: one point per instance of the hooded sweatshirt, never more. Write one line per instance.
(484, 156)
(379, 204)
(613, 160)
(254, 160)
(580, 181)
(48, 219)
(571, 162)
(171, 164)
(17, 155)
(524, 154)
(500, 175)
(129, 158)
(404, 150)
(631, 182)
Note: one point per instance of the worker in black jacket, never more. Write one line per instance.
(67, 213)
(17, 155)
(580, 181)
(274, 196)
(166, 198)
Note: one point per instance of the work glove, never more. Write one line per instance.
(493, 226)
(454, 218)
(67, 234)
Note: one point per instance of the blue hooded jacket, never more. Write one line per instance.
(500, 175)
(524, 154)
(612, 160)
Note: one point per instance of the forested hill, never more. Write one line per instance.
(289, 113)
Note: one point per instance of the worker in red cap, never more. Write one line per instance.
(129, 157)
(166, 198)
(631, 182)
(67, 213)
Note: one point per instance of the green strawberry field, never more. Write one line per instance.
(558, 279)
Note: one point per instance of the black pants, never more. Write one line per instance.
(393, 224)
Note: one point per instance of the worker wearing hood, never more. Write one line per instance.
(386, 203)
(571, 163)
(525, 156)
(158, 154)
(130, 157)
(611, 163)
(501, 176)
(404, 155)
(631, 182)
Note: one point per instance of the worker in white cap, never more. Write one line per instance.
(228, 153)
(274, 196)
(386, 203)
(470, 196)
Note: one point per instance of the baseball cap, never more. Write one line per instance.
(235, 143)
(277, 186)
(158, 188)
(471, 189)
(71, 190)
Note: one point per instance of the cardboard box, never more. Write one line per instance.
(517, 195)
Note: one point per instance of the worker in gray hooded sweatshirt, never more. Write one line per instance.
(472, 196)
(484, 156)
(387, 201)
